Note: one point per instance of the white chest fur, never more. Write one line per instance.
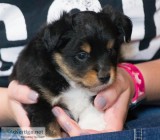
(78, 101)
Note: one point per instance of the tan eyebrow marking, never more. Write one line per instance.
(110, 44)
(86, 47)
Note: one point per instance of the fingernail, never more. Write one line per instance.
(101, 102)
(33, 96)
(56, 111)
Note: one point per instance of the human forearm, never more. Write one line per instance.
(151, 74)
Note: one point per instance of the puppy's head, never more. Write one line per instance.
(85, 46)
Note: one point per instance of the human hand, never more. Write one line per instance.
(18, 94)
(114, 101)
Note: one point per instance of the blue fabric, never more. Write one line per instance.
(144, 117)
(135, 134)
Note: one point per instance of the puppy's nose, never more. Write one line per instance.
(104, 79)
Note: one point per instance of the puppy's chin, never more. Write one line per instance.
(99, 88)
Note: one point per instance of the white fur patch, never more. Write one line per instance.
(78, 101)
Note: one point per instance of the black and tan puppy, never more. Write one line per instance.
(69, 62)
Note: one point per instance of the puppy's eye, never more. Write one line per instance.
(82, 56)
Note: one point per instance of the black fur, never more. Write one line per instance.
(36, 66)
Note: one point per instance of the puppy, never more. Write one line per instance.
(69, 62)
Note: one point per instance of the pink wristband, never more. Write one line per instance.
(137, 79)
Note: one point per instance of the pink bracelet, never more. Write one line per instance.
(137, 79)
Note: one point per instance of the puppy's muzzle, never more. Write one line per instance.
(104, 79)
(104, 74)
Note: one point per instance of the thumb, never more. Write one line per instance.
(109, 96)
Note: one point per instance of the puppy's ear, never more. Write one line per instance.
(49, 41)
(53, 34)
(122, 22)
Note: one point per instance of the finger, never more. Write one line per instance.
(64, 135)
(89, 131)
(22, 93)
(68, 125)
(108, 97)
(116, 115)
(20, 114)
